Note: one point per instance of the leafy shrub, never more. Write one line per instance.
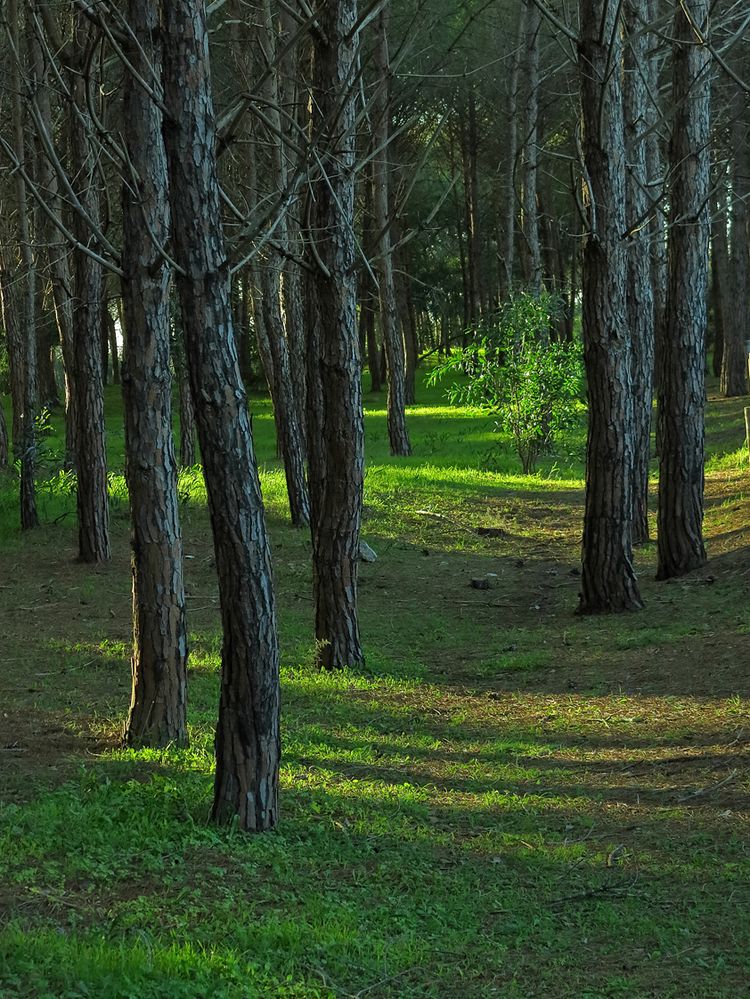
(513, 371)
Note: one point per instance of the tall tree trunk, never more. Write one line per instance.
(336, 424)
(530, 84)
(91, 460)
(4, 450)
(734, 357)
(247, 735)
(158, 706)
(393, 340)
(58, 254)
(682, 385)
(285, 404)
(640, 298)
(720, 292)
(510, 196)
(608, 579)
(26, 344)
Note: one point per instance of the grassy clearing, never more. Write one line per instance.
(509, 801)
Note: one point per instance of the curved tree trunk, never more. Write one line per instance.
(682, 387)
(608, 579)
(247, 736)
(158, 707)
(336, 424)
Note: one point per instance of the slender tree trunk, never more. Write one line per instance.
(247, 735)
(530, 85)
(509, 191)
(720, 293)
(26, 343)
(734, 357)
(608, 579)
(49, 396)
(158, 711)
(91, 462)
(640, 298)
(392, 337)
(4, 450)
(682, 386)
(336, 425)
(284, 407)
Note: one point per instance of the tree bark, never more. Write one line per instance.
(247, 735)
(734, 357)
(530, 164)
(640, 298)
(158, 707)
(335, 418)
(393, 340)
(682, 385)
(91, 460)
(608, 579)
(25, 338)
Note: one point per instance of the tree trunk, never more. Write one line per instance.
(720, 293)
(247, 735)
(4, 450)
(25, 338)
(530, 167)
(510, 196)
(682, 385)
(284, 406)
(608, 578)
(58, 254)
(640, 298)
(91, 461)
(158, 707)
(734, 357)
(336, 424)
(398, 434)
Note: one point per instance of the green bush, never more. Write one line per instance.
(513, 371)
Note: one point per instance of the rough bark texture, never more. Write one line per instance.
(284, 406)
(720, 295)
(336, 426)
(640, 298)
(530, 87)
(91, 463)
(737, 331)
(25, 341)
(158, 707)
(608, 579)
(682, 384)
(398, 434)
(247, 735)
(510, 198)
(4, 453)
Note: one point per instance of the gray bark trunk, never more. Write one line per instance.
(158, 707)
(336, 425)
(608, 579)
(682, 385)
(247, 735)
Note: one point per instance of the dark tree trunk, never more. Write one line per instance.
(4, 450)
(682, 385)
(640, 298)
(49, 396)
(91, 461)
(282, 392)
(23, 341)
(608, 579)
(720, 294)
(188, 456)
(737, 332)
(247, 736)
(530, 87)
(158, 707)
(510, 196)
(393, 340)
(335, 419)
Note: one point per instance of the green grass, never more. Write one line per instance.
(508, 801)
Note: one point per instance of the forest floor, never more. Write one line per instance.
(509, 801)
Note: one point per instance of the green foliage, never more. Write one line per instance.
(532, 385)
